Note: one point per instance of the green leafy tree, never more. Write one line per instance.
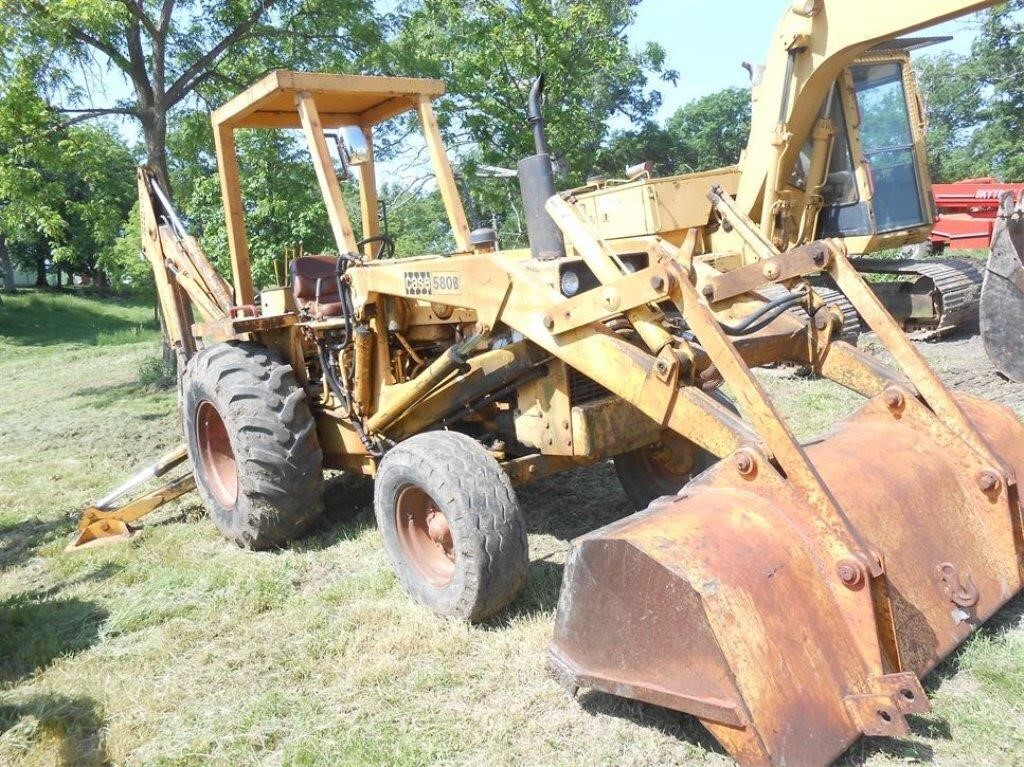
(29, 191)
(975, 104)
(98, 190)
(174, 51)
(648, 143)
(711, 132)
(707, 133)
(995, 63)
(954, 106)
(489, 52)
(64, 191)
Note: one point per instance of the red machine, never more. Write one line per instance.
(968, 212)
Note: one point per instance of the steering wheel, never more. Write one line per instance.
(387, 245)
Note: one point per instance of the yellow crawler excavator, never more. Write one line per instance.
(836, 149)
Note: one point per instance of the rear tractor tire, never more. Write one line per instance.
(253, 444)
(451, 525)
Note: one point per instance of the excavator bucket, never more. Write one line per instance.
(108, 521)
(1002, 294)
(718, 603)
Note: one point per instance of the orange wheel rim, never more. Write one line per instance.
(425, 536)
(216, 455)
(669, 462)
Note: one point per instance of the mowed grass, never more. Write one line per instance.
(180, 649)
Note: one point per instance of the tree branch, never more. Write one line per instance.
(139, 75)
(83, 115)
(184, 84)
(89, 39)
(135, 9)
(165, 15)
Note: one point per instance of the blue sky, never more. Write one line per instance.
(707, 41)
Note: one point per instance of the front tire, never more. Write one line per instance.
(451, 525)
(253, 444)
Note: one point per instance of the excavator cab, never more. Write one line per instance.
(876, 191)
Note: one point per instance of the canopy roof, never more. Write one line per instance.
(341, 100)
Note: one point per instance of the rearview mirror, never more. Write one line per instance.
(356, 146)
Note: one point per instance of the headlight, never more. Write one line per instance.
(570, 283)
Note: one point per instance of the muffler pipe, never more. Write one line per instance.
(537, 185)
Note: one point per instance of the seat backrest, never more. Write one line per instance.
(305, 271)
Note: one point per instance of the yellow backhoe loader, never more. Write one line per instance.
(790, 595)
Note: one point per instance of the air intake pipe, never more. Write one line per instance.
(537, 185)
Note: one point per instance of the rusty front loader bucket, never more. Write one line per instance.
(1002, 294)
(719, 604)
(793, 596)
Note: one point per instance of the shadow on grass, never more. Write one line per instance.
(38, 630)
(348, 513)
(109, 396)
(19, 541)
(575, 502)
(47, 320)
(75, 723)
(672, 723)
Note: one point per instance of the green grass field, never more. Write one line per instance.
(180, 649)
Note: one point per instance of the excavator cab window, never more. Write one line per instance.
(840, 183)
(883, 122)
(840, 187)
(887, 142)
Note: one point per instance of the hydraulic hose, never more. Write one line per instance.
(766, 315)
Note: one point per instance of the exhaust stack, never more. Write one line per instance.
(537, 185)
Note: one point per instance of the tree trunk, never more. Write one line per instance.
(154, 131)
(41, 281)
(6, 266)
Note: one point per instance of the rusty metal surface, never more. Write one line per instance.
(111, 525)
(719, 603)
(1002, 293)
(804, 260)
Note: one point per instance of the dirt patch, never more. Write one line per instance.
(961, 362)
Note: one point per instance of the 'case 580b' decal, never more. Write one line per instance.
(432, 283)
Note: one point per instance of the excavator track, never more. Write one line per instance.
(852, 326)
(945, 296)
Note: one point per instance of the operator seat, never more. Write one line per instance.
(305, 272)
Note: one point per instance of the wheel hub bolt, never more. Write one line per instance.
(850, 573)
(893, 399)
(988, 481)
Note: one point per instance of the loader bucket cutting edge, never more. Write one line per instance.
(1002, 293)
(714, 602)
